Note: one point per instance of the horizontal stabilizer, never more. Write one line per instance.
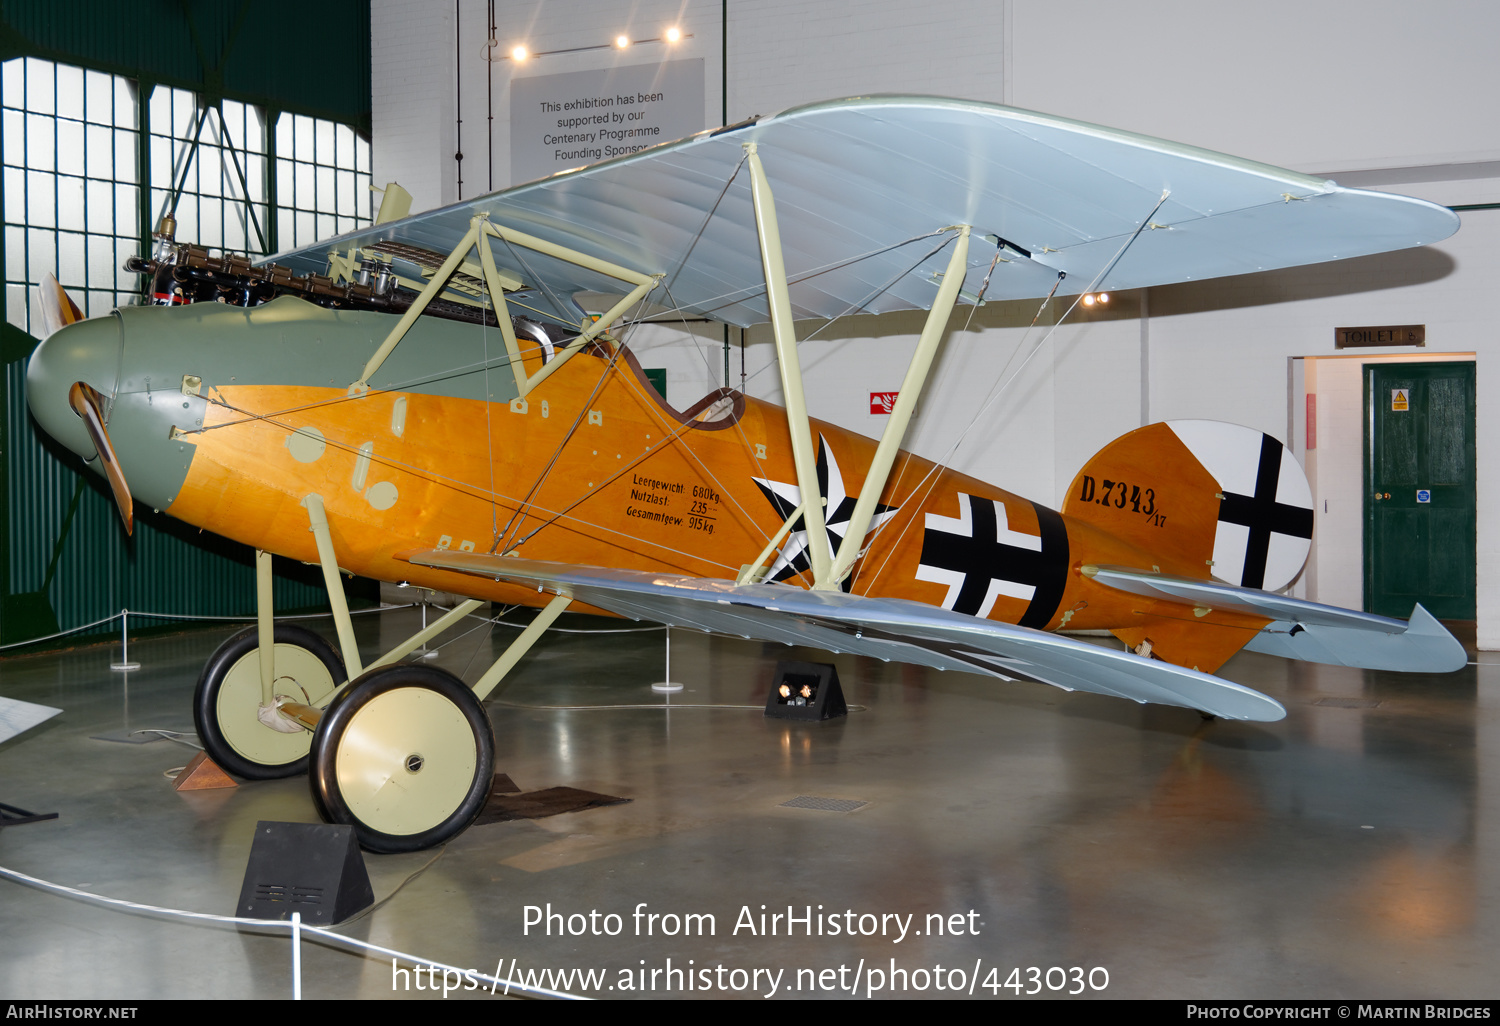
(1424, 647)
(889, 629)
(1306, 630)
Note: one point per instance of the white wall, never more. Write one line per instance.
(1315, 85)
(412, 98)
(1380, 93)
(421, 61)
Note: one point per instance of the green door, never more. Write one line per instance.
(1419, 489)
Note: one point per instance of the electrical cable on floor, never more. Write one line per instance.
(668, 706)
(414, 874)
(169, 735)
(654, 706)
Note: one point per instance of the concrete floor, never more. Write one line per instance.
(1351, 850)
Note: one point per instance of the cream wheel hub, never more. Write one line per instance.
(300, 677)
(406, 761)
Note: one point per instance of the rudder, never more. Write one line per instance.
(1206, 498)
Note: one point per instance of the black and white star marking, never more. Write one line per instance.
(785, 498)
(979, 558)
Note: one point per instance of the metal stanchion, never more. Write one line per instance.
(668, 685)
(296, 956)
(424, 652)
(124, 663)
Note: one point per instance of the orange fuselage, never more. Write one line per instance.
(592, 468)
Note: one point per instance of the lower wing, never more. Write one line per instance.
(889, 629)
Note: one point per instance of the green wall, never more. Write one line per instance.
(65, 560)
(310, 58)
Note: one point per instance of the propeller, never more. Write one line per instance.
(58, 308)
(89, 404)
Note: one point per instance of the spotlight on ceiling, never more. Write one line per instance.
(622, 41)
(520, 53)
(1104, 297)
(1088, 300)
(674, 34)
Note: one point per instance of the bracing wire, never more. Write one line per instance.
(930, 479)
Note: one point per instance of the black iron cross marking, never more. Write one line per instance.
(1264, 515)
(983, 558)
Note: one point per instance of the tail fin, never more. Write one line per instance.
(1205, 498)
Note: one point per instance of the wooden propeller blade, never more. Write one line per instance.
(87, 403)
(58, 308)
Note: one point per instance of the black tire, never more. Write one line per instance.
(231, 743)
(444, 733)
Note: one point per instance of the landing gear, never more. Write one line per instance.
(228, 698)
(405, 755)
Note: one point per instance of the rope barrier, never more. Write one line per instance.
(124, 614)
(297, 930)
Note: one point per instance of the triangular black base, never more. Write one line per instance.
(812, 692)
(312, 868)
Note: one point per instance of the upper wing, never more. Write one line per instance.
(887, 629)
(857, 180)
(1307, 630)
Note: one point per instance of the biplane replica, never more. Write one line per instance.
(428, 401)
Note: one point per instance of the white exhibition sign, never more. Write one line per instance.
(582, 117)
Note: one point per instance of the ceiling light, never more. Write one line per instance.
(1088, 300)
(674, 34)
(519, 53)
(622, 41)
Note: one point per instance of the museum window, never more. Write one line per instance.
(322, 179)
(215, 156)
(71, 185)
(72, 180)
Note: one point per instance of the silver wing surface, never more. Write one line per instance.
(889, 629)
(1308, 630)
(863, 185)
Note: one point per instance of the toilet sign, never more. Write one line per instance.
(1400, 400)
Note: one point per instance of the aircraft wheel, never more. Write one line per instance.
(227, 698)
(406, 756)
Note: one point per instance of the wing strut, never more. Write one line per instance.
(751, 573)
(827, 570)
(329, 562)
(778, 299)
(906, 401)
(481, 230)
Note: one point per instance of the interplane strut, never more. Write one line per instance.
(827, 569)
